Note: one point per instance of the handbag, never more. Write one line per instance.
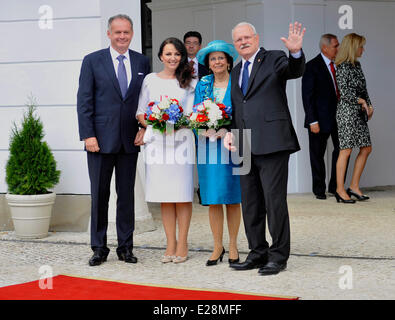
(364, 115)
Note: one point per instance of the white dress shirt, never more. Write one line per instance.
(328, 62)
(126, 62)
(243, 61)
(195, 65)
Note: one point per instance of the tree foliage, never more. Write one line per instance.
(31, 167)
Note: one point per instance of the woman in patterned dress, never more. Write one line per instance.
(353, 130)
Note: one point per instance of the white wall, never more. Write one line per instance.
(46, 63)
(374, 19)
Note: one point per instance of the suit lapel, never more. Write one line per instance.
(235, 79)
(255, 67)
(133, 66)
(109, 67)
(325, 70)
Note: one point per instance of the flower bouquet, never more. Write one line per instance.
(166, 114)
(209, 114)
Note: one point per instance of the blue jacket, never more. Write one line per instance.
(204, 90)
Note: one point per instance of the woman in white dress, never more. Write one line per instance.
(169, 157)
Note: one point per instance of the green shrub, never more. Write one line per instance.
(31, 167)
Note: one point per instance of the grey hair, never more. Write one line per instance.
(326, 39)
(119, 16)
(244, 24)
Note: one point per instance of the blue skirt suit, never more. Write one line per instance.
(216, 182)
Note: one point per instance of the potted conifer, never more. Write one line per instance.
(30, 173)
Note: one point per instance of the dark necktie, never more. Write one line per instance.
(192, 64)
(334, 78)
(122, 78)
(245, 78)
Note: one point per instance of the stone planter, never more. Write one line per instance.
(31, 214)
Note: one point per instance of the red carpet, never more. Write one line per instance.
(75, 288)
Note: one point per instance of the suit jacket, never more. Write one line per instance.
(102, 112)
(264, 108)
(319, 95)
(202, 71)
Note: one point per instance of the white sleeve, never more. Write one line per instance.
(143, 98)
(296, 55)
(190, 98)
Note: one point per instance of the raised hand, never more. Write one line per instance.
(294, 41)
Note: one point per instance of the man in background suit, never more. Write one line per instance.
(260, 104)
(108, 93)
(193, 43)
(320, 96)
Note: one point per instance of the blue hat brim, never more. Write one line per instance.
(215, 46)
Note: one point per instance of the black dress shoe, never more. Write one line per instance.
(361, 197)
(340, 199)
(272, 268)
(247, 265)
(214, 262)
(320, 196)
(127, 256)
(98, 258)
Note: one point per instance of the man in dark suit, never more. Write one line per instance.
(193, 43)
(107, 99)
(260, 105)
(320, 95)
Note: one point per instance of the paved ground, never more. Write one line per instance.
(337, 252)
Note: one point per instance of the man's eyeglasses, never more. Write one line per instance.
(194, 43)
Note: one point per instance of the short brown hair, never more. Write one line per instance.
(120, 16)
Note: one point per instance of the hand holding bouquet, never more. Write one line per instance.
(165, 114)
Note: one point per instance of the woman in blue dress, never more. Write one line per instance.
(217, 185)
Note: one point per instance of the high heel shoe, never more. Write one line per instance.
(167, 259)
(214, 262)
(234, 260)
(356, 195)
(179, 259)
(340, 199)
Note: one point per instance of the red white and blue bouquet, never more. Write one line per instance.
(165, 114)
(209, 115)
